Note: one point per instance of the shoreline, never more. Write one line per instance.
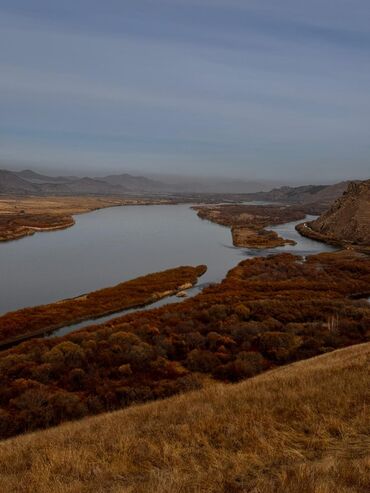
(135, 293)
(26, 216)
(267, 312)
(248, 223)
(305, 230)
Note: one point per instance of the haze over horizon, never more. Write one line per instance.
(260, 90)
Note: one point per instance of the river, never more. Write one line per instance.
(112, 245)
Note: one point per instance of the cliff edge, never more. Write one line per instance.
(347, 222)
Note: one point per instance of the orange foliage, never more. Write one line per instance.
(267, 312)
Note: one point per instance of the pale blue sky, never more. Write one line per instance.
(259, 89)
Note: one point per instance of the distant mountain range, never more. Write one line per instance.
(136, 183)
(34, 177)
(29, 182)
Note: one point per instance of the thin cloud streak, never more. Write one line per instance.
(253, 85)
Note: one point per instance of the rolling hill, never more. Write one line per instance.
(29, 183)
(318, 197)
(136, 183)
(10, 183)
(302, 427)
(34, 177)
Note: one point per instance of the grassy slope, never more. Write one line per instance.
(302, 427)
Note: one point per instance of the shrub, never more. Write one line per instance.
(278, 346)
(125, 370)
(77, 378)
(242, 311)
(66, 354)
(203, 361)
(217, 312)
(247, 364)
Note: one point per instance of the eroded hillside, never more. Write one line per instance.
(347, 222)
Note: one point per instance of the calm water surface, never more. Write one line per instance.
(113, 245)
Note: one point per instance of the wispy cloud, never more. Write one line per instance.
(165, 84)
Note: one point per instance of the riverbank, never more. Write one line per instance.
(267, 312)
(36, 321)
(25, 216)
(248, 222)
(306, 230)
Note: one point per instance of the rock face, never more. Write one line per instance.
(347, 222)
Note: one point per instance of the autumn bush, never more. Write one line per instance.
(267, 312)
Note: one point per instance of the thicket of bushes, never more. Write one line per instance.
(269, 311)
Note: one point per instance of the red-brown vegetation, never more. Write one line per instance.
(37, 320)
(301, 428)
(268, 311)
(14, 226)
(248, 222)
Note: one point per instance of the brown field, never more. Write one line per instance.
(37, 320)
(248, 222)
(300, 428)
(23, 216)
(268, 311)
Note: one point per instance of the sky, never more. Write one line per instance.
(259, 89)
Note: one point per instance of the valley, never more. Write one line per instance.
(268, 299)
(184, 246)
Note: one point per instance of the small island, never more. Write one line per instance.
(248, 222)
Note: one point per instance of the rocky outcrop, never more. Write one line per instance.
(347, 222)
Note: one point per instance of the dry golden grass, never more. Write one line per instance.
(65, 205)
(301, 428)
